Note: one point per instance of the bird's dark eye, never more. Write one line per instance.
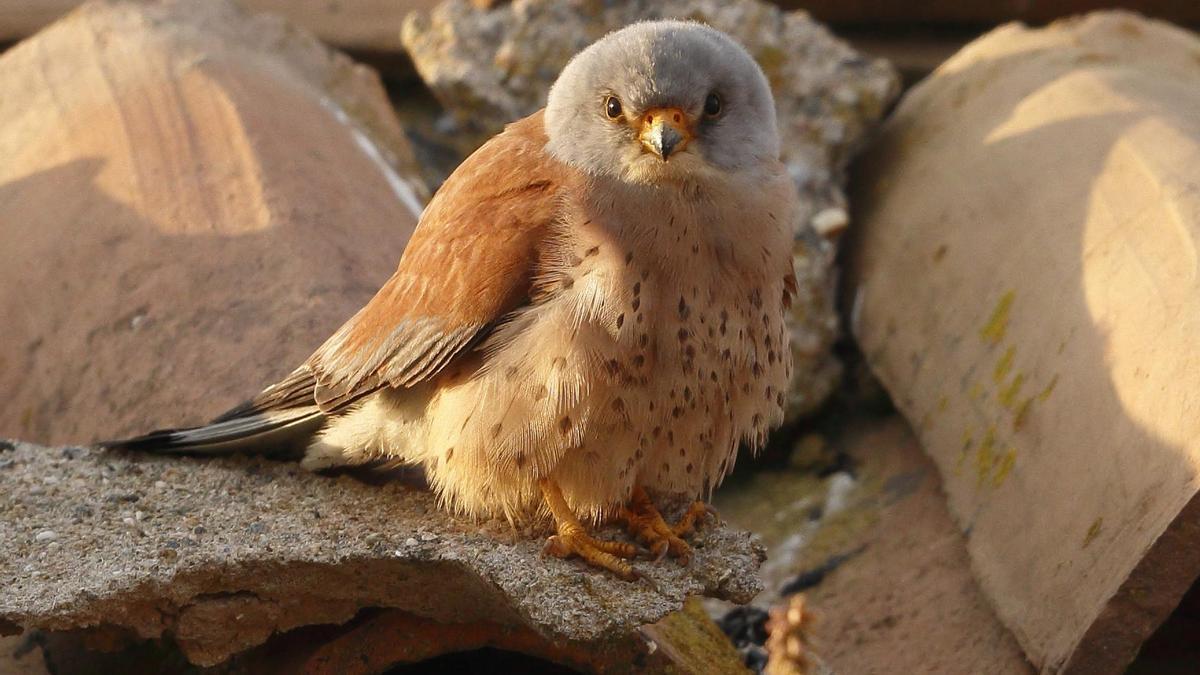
(612, 107)
(712, 105)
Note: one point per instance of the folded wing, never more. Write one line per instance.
(470, 262)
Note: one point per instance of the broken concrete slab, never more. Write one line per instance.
(221, 554)
(193, 200)
(1024, 283)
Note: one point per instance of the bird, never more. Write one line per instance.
(589, 315)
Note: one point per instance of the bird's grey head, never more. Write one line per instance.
(662, 100)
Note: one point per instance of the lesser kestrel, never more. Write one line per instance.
(590, 311)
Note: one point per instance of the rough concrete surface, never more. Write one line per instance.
(221, 554)
(491, 65)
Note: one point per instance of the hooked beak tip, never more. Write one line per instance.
(663, 141)
(664, 132)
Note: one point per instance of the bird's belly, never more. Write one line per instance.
(716, 378)
(679, 373)
(638, 381)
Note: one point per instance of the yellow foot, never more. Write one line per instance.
(572, 539)
(596, 552)
(646, 523)
(696, 514)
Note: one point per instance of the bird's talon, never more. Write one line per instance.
(596, 552)
(554, 547)
(695, 517)
(572, 540)
(646, 523)
(659, 550)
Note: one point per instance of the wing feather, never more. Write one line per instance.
(471, 261)
(293, 391)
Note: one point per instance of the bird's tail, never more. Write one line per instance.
(269, 432)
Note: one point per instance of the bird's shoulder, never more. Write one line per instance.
(471, 260)
(511, 178)
(472, 253)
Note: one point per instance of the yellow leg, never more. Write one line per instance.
(572, 539)
(646, 523)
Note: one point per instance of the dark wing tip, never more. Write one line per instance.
(157, 440)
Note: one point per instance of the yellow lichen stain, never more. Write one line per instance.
(1004, 466)
(1021, 414)
(968, 439)
(942, 404)
(1004, 365)
(985, 457)
(983, 464)
(940, 253)
(697, 643)
(1021, 411)
(993, 331)
(1092, 532)
(1047, 390)
(975, 392)
(1008, 395)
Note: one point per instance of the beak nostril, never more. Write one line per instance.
(677, 117)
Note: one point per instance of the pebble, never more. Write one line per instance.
(45, 536)
(429, 536)
(830, 222)
(410, 542)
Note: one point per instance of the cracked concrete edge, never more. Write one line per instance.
(226, 553)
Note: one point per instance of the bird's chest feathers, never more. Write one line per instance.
(682, 302)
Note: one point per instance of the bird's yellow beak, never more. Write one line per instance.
(665, 131)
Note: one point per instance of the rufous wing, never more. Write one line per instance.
(471, 261)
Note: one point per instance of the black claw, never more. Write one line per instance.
(660, 550)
